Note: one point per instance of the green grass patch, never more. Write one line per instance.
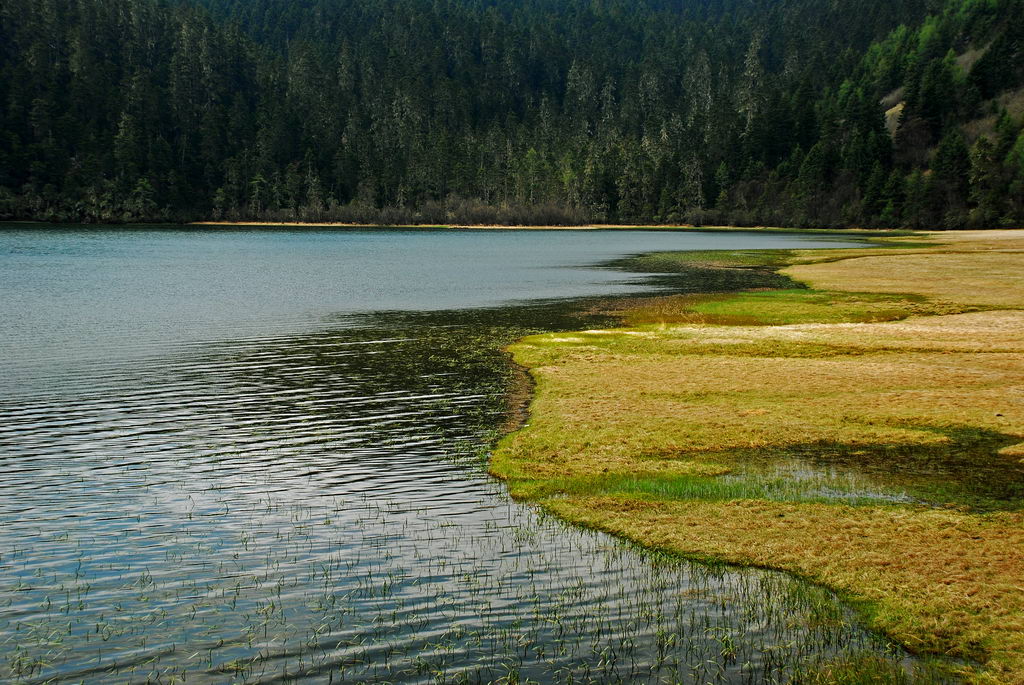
(744, 288)
(678, 262)
(781, 307)
(683, 261)
(776, 488)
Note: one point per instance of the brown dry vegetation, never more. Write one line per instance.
(990, 278)
(940, 581)
(633, 429)
(1012, 102)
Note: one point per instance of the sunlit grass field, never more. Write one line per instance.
(866, 432)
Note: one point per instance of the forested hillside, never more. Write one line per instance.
(788, 112)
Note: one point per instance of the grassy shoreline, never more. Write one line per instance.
(866, 432)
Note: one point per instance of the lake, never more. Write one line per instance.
(259, 455)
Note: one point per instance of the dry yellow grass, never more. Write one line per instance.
(993, 275)
(676, 405)
(941, 581)
(610, 400)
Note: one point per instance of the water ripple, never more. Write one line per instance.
(286, 507)
(263, 507)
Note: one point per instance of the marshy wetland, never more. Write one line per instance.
(255, 456)
(865, 432)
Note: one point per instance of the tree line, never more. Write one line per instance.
(796, 112)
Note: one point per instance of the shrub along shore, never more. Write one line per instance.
(863, 429)
(854, 232)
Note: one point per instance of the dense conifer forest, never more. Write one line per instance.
(783, 112)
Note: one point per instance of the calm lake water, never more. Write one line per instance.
(258, 455)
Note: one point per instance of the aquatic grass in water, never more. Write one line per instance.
(273, 506)
(252, 550)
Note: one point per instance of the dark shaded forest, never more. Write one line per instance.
(792, 112)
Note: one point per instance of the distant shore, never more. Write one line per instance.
(892, 232)
(582, 227)
(342, 224)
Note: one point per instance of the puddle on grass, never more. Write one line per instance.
(801, 480)
(965, 470)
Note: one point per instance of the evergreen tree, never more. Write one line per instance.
(561, 110)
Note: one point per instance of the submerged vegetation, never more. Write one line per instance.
(313, 507)
(867, 433)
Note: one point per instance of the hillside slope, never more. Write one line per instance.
(558, 111)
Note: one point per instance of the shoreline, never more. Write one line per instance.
(582, 227)
(665, 432)
(851, 231)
